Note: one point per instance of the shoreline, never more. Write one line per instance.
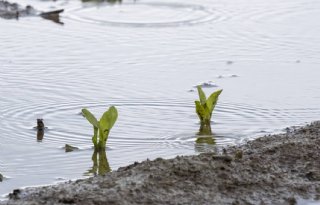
(273, 169)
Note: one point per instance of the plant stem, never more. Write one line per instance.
(205, 128)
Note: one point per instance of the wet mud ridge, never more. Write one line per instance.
(15, 11)
(276, 169)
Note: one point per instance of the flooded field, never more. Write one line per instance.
(145, 58)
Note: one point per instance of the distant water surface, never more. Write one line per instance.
(146, 57)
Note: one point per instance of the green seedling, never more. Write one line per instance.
(205, 107)
(101, 128)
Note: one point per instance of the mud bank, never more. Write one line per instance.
(275, 169)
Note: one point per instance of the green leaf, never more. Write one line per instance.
(200, 110)
(202, 95)
(107, 120)
(212, 100)
(95, 136)
(90, 117)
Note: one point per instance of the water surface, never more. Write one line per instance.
(145, 57)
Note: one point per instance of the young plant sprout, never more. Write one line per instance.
(101, 128)
(204, 109)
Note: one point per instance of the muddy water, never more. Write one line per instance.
(145, 57)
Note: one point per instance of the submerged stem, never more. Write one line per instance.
(205, 128)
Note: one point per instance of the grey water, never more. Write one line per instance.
(146, 57)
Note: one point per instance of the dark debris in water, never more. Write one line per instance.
(10, 10)
(69, 148)
(227, 76)
(209, 84)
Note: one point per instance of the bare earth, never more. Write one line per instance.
(275, 169)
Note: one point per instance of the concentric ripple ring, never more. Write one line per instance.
(144, 14)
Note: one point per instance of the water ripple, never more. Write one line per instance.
(167, 124)
(143, 14)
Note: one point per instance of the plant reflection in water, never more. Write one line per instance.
(205, 135)
(205, 141)
(100, 164)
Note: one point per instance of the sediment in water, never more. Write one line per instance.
(276, 169)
